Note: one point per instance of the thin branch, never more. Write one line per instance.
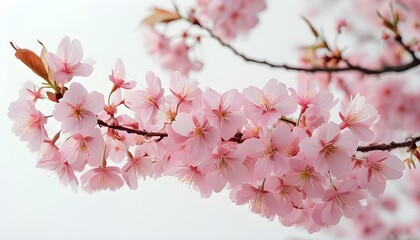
(390, 146)
(238, 138)
(130, 130)
(350, 67)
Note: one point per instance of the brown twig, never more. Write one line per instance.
(130, 130)
(390, 146)
(350, 67)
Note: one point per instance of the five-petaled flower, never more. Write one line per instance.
(77, 109)
(67, 62)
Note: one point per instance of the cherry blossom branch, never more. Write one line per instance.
(350, 67)
(390, 146)
(130, 130)
(238, 138)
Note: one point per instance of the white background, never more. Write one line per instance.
(34, 205)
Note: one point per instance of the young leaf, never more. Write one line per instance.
(161, 16)
(31, 60)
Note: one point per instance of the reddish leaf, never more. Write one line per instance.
(31, 60)
(161, 16)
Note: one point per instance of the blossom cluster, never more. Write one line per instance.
(400, 41)
(274, 148)
(227, 19)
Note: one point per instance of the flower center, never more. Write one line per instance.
(329, 148)
(305, 175)
(270, 151)
(78, 112)
(222, 166)
(266, 104)
(198, 132)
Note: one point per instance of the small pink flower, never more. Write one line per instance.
(87, 146)
(251, 130)
(331, 149)
(302, 217)
(51, 159)
(193, 176)
(379, 167)
(359, 117)
(308, 95)
(28, 123)
(77, 109)
(270, 151)
(139, 165)
(102, 178)
(262, 201)
(303, 175)
(340, 201)
(147, 102)
(200, 136)
(230, 18)
(288, 196)
(118, 77)
(228, 163)
(185, 92)
(177, 59)
(31, 92)
(67, 62)
(369, 225)
(172, 55)
(225, 111)
(269, 104)
(156, 43)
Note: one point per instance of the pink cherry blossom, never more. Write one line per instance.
(87, 146)
(369, 225)
(102, 178)
(67, 62)
(269, 104)
(379, 167)
(331, 149)
(184, 92)
(269, 150)
(302, 217)
(139, 165)
(261, 201)
(288, 196)
(200, 136)
(303, 175)
(77, 109)
(147, 102)
(31, 92)
(194, 176)
(228, 163)
(230, 18)
(53, 160)
(224, 111)
(251, 130)
(172, 55)
(28, 123)
(177, 59)
(308, 95)
(118, 77)
(359, 117)
(344, 200)
(156, 43)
